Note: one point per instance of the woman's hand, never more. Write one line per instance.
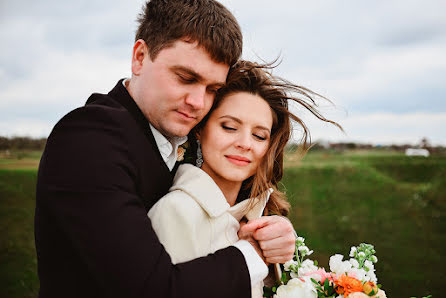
(275, 236)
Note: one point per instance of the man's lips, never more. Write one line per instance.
(186, 115)
(238, 160)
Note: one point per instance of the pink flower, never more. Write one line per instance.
(320, 275)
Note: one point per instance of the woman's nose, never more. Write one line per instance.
(244, 141)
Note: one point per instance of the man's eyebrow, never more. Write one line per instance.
(195, 75)
(240, 121)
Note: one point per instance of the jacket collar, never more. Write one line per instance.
(122, 96)
(202, 188)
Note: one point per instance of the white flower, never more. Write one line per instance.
(307, 266)
(369, 265)
(360, 274)
(288, 264)
(354, 263)
(374, 259)
(301, 239)
(338, 266)
(304, 250)
(352, 251)
(361, 254)
(372, 277)
(297, 288)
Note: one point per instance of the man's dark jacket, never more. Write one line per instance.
(100, 173)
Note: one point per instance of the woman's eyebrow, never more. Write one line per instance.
(232, 118)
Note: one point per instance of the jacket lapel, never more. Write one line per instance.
(121, 95)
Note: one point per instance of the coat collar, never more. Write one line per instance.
(202, 188)
(122, 96)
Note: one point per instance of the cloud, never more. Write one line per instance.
(380, 58)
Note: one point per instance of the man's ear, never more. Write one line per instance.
(140, 52)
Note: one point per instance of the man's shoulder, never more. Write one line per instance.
(100, 108)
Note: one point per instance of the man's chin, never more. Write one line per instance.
(177, 132)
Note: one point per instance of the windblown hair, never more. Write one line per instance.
(207, 22)
(257, 79)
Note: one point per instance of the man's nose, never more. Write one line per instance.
(196, 97)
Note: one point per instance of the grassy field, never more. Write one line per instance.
(394, 202)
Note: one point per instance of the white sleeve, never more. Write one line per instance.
(256, 267)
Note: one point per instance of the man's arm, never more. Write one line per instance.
(87, 186)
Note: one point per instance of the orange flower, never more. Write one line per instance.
(346, 285)
(370, 288)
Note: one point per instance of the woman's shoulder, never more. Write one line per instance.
(201, 188)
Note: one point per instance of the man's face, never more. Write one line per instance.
(176, 89)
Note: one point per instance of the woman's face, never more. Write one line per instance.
(236, 137)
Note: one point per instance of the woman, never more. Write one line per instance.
(239, 155)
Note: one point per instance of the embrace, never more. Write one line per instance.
(117, 214)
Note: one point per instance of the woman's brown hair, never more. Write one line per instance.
(257, 79)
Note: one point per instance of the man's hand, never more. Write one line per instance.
(275, 235)
(248, 236)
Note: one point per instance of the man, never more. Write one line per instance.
(107, 163)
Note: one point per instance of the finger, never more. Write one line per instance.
(286, 253)
(258, 223)
(276, 243)
(245, 232)
(274, 230)
(278, 260)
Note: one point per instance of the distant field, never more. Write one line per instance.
(395, 202)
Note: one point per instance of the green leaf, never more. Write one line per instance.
(326, 283)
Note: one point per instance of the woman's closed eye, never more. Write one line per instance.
(227, 127)
(259, 137)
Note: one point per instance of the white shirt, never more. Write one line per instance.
(168, 149)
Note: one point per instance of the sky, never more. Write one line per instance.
(381, 63)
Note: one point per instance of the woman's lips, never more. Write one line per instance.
(238, 160)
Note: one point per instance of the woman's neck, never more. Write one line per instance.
(230, 190)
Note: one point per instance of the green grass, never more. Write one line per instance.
(394, 202)
(18, 276)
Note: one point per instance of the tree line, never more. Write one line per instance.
(22, 143)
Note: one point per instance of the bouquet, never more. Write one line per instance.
(353, 278)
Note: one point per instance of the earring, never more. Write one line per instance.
(199, 161)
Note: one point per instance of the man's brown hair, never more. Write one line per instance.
(207, 22)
